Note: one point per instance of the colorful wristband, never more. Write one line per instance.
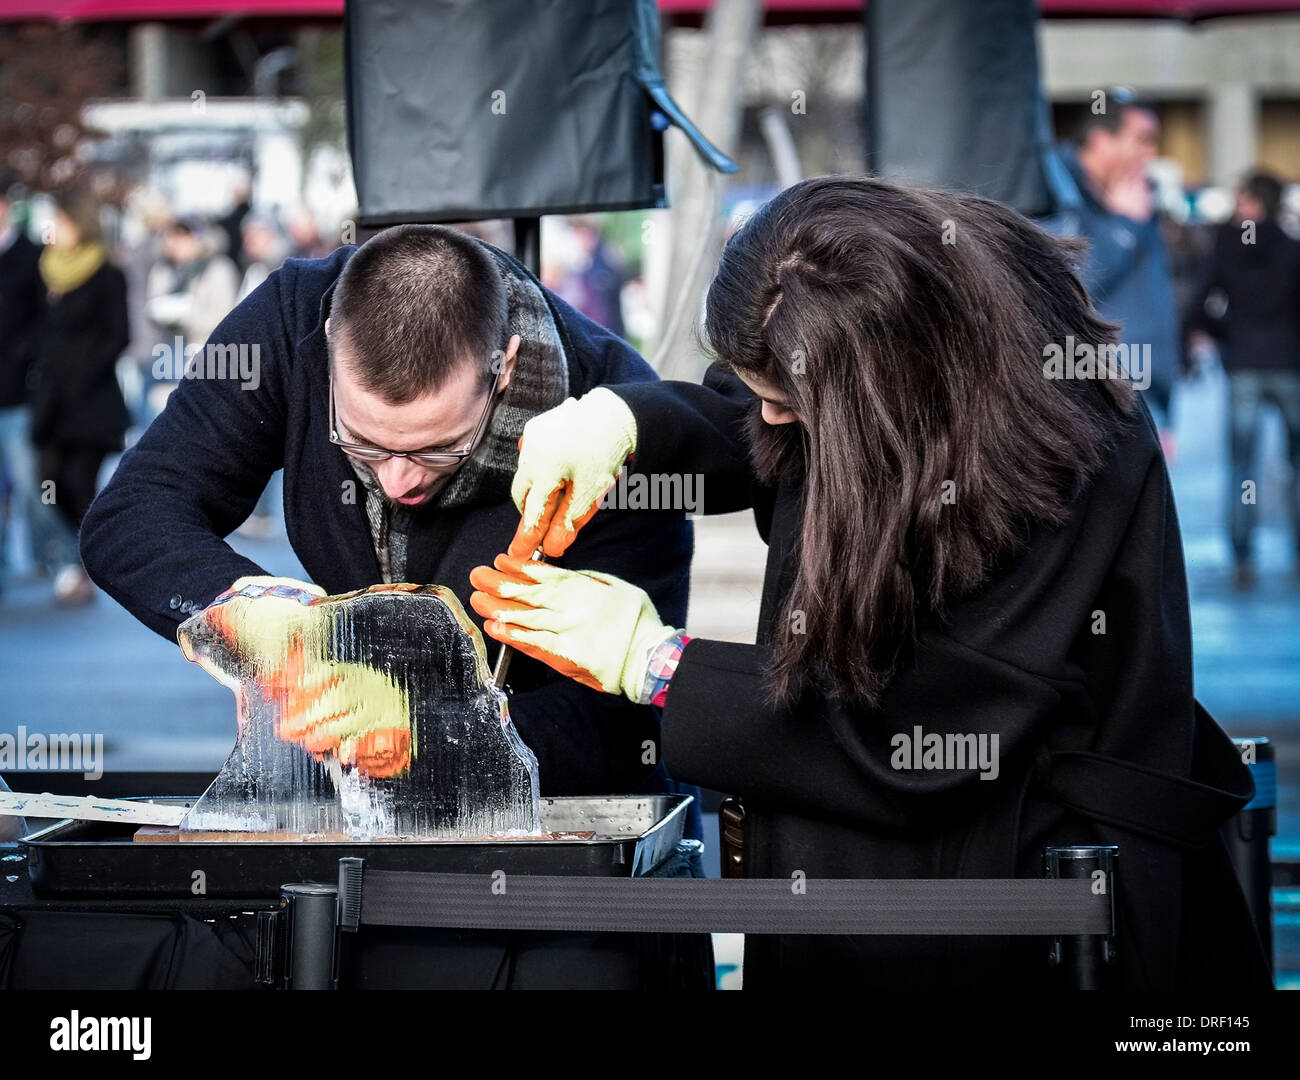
(661, 668)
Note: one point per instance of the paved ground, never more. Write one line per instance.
(97, 670)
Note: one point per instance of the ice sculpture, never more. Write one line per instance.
(369, 715)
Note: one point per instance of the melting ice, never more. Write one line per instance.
(369, 715)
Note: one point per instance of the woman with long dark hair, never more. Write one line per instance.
(79, 416)
(973, 638)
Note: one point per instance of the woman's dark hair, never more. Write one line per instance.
(83, 211)
(908, 330)
(1266, 189)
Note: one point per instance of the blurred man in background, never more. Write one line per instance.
(1126, 267)
(1255, 268)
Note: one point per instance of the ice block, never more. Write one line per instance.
(365, 716)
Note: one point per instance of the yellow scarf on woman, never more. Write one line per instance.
(64, 269)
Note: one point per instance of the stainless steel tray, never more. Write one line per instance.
(634, 835)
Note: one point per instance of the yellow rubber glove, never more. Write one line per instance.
(354, 711)
(325, 706)
(569, 457)
(262, 629)
(595, 628)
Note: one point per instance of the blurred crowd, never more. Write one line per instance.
(94, 336)
(1191, 293)
(85, 321)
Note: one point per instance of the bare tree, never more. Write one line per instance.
(714, 97)
(47, 73)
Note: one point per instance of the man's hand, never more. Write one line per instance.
(1131, 196)
(568, 458)
(353, 711)
(595, 628)
(258, 617)
(325, 706)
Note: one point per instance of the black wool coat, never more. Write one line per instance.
(1101, 740)
(22, 298)
(1260, 281)
(77, 399)
(154, 537)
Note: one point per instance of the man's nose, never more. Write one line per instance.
(397, 476)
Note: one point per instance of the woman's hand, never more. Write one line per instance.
(595, 628)
(569, 457)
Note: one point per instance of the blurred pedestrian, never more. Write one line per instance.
(1126, 267)
(195, 285)
(264, 248)
(601, 278)
(191, 289)
(1254, 268)
(305, 240)
(232, 226)
(78, 414)
(264, 252)
(21, 299)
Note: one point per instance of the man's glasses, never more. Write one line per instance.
(430, 460)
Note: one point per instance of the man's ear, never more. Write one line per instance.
(508, 368)
(327, 326)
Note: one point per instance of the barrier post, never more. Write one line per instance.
(1087, 961)
(1247, 837)
(312, 933)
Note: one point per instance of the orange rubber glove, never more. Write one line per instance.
(327, 707)
(569, 457)
(595, 628)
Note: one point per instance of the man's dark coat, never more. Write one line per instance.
(153, 540)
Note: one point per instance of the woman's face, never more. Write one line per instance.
(66, 233)
(776, 407)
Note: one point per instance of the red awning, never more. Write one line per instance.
(1169, 9)
(141, 10)
(785, 10)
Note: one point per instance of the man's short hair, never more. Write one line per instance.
(1265, 189)
(412, 304)
(1119, 100)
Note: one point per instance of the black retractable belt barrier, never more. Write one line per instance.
(952, 906)
(1068, 906)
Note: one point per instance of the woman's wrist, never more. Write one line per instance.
(661, 665)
